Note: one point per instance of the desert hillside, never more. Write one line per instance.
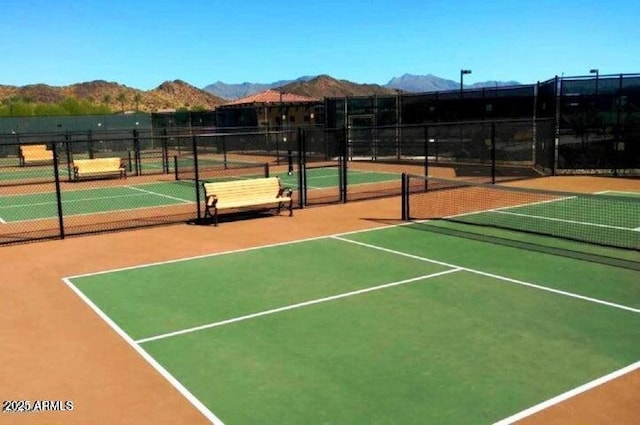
(168, 95)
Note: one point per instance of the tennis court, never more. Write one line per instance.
(393, 325)
(38, 206)
(599, 221)
(17, 174)
(328, 177)
(97, 199)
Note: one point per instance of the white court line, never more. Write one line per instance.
(511, 207)
(562, 220)
(234, 251)
(495, 276)
(569, 394)
(68, 201)
(94, 198)
(157, 366)
(635, 194)
(150, 192)
(99, 212)
(293, 306)
(502, 210)
(352, 185)
(266, 246)
(626, 192)
(390, 173)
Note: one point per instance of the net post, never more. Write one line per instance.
(266, 169)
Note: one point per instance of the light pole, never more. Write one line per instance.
(597, 72)
(462, 73)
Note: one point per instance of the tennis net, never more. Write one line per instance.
(602, 219)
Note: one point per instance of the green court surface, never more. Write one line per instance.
(600, 219)
(391, 326)
(21, 207)
(327, 177)
(34, 206)
(32, 173)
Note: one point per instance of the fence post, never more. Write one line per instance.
(224, 151)
(90, 144)
(558, 92)
(194, 145)
(129, 160)
(67, 149)
(136, 152)
(426, 150)
(618, 131)
(58, 192)
(302, 168)
(344, 189)
(403, 183)
(493, 152)
(165, 152)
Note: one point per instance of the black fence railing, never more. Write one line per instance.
(44, 196)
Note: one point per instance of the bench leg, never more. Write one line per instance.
(291, 208)
(213, 217)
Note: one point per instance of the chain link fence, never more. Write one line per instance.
(45, 197)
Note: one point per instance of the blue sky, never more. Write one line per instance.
(143, 43)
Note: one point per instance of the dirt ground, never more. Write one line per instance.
(54, 347)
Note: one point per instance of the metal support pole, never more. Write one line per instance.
(194, 145)
(58, 191)
(493, 152)
(405, 204)
(344, 183)
(302, 169)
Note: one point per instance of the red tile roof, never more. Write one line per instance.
(271, 96)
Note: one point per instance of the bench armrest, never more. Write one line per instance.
(285, 191)
(212, 200)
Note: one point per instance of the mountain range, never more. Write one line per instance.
(169, 95)
(177, 94)
(406, 83)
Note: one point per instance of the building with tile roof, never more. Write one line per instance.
(272, 96)
(272, 110)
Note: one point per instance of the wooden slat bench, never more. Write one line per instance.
(98, 168)
(35, 155)
(239, 194)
